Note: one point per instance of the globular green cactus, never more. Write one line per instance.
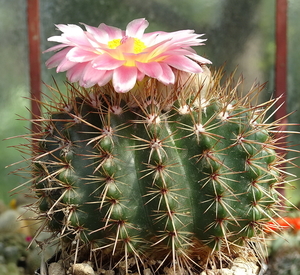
(167, 176)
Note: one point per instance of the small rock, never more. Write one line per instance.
(239, 266)
(56, 269)
(147, 271)
(83, 269)
(224, 271)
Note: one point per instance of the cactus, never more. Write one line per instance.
(180, 176)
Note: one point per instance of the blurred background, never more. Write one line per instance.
(240, 34)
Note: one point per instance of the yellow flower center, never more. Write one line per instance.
(138, 45)
(114, 43)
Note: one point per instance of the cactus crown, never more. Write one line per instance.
(178, 176)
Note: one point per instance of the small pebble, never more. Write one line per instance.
(83, 269)
(56, 269)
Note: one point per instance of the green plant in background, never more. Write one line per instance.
(284, 252)
(176, 170)
(16, 258)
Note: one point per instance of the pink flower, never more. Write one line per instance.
(98, 55)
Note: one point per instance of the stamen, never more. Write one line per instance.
(138, 45)
(114, 43)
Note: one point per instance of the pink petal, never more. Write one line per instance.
(124, 78)
(183, 63)
(156, 50)
(91, 76)
(59, 39)
(76, 35)
(150, 38)
(65, 65)
(136, 28)
(105, 78)
(75, 73)
(140, 76)
(179, 51)
(113, 32)
(161, 53)
(199, 58)
(167, 76)
(55, 60)
(64, 27)
(106, 62)
(99, 34)
(77, 54)
(152, 69)
(96, 43)
(126, 46)
(55, 48)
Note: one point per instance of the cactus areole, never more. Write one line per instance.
(158, 177)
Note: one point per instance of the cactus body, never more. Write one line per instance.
(176, 179)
